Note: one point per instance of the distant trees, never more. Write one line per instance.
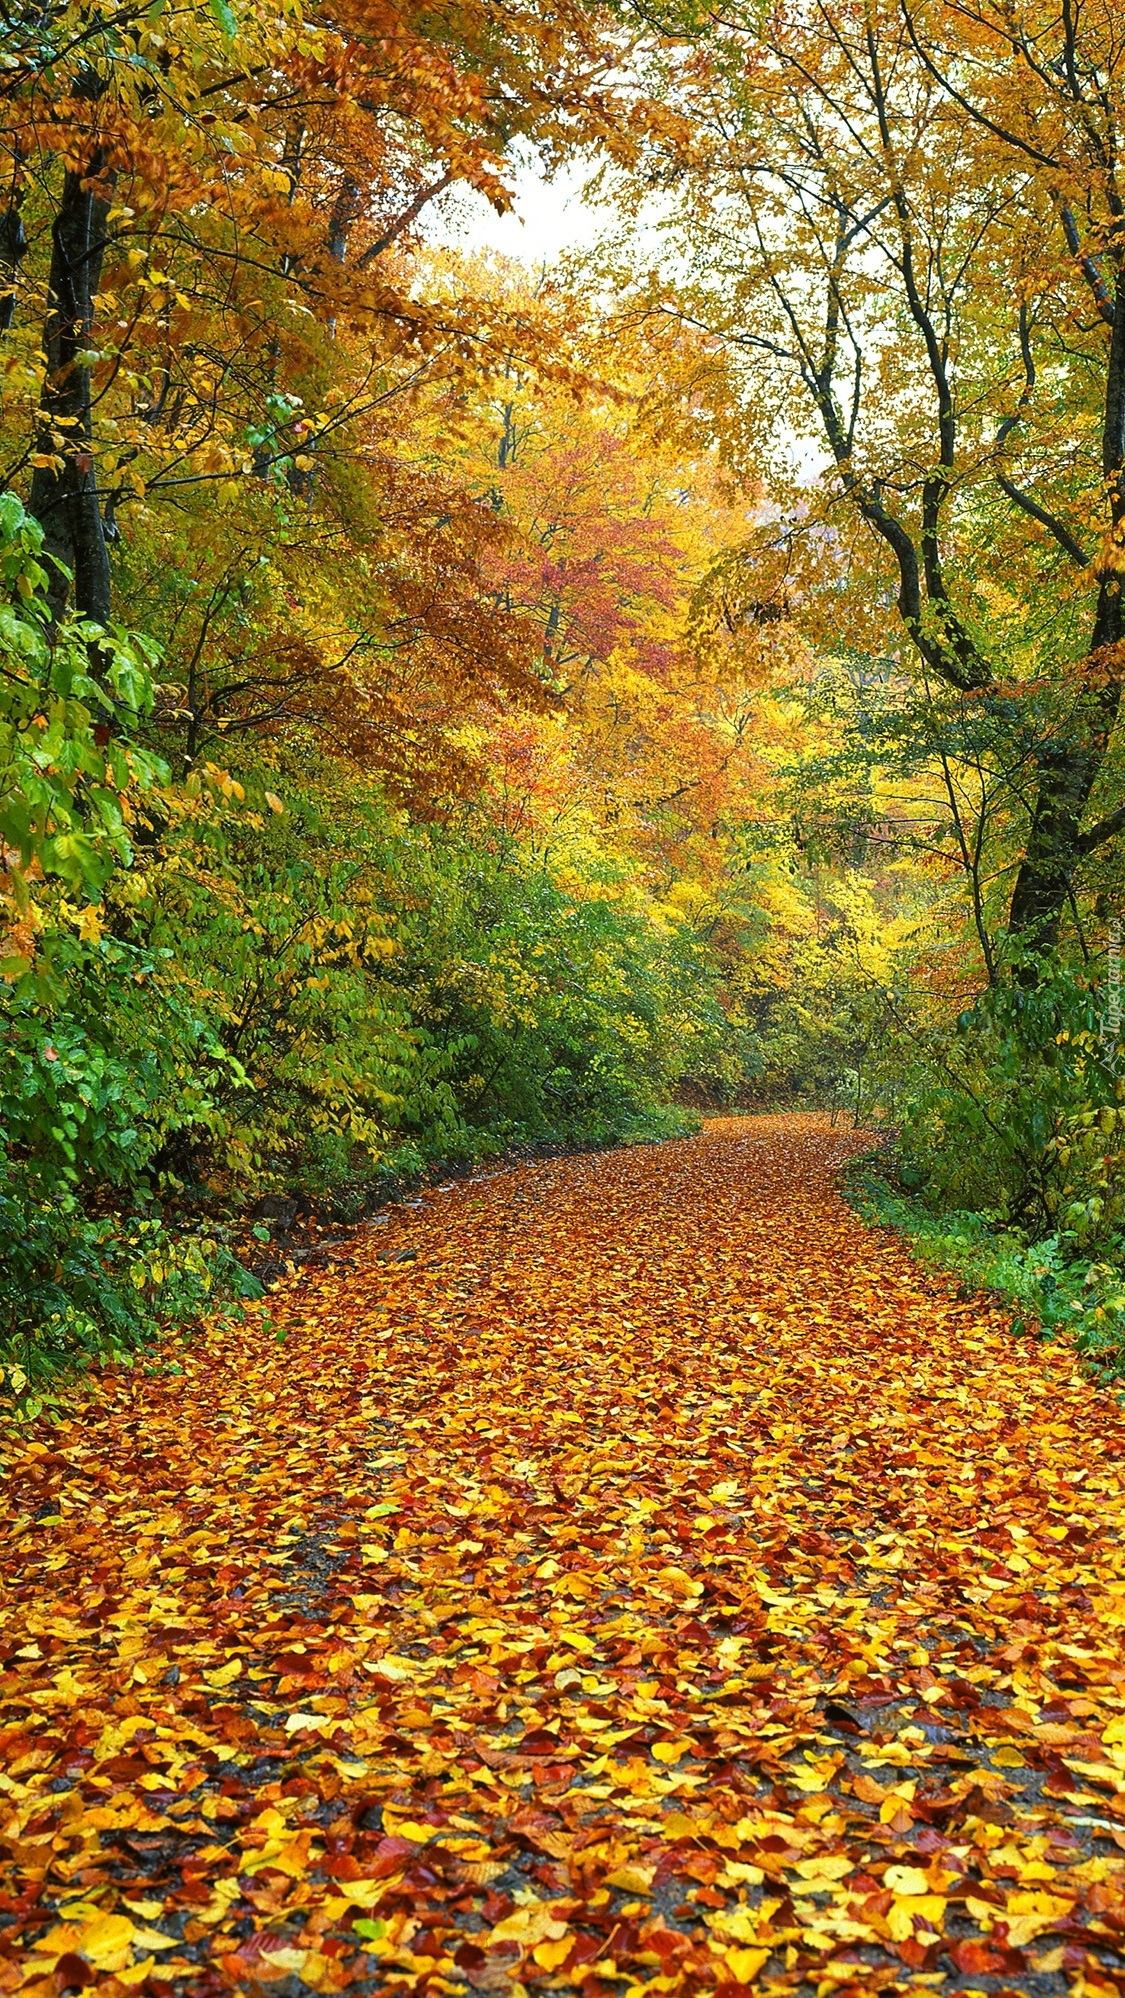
(903, 228)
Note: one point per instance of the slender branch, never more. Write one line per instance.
(1087, 265)
(1106, 829)
(1046, 519)
(409, 215)
(979, 117)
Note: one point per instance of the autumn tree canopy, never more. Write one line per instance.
(450, 703)
(901, 229)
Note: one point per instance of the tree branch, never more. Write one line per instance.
(1053, 525)
(1087, 265)
(1106, 828)
(998, 131)
(409, 215)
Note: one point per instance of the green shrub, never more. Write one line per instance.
(1052, 1288)
(319, 1002)
(993, 1112)
(79, 1288)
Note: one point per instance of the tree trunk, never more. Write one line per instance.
(64, 494)
(13, 249)
(1043, 881)
(1068, 772)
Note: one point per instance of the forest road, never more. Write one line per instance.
(660, 1582)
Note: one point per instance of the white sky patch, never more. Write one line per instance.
(549, 218)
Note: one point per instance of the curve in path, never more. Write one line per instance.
(633, 1574)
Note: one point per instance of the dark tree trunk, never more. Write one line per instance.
(1067, 772)
(1043, 881)
(64, 496)
(13, 249)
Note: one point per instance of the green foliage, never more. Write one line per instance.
(70, 763)
(101, 1075)
(268, 925)
(387, 993)
(994, 1110)
(318, 1001)
(1053, 1287)
(100, 1070)
(1008, 1164)
(80, 1287)
(567, 1011)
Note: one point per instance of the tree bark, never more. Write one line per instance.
(13, 249)
(64, 494)
(1067, 773)
(1046, 872)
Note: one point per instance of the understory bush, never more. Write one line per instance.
(313, 998)
(81, 1287)
(101, 1073)
(1052, 1288)
(1014, 1113)
(1005, 1158)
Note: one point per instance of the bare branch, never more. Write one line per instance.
(1050, 521)
(409, 215)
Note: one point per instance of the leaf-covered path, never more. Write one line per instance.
(653, 1579)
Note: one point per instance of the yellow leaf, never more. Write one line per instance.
(286, 1960)
(223, 1892)
(671, 1751)
(137, 1972)
(274, 802)
(1023, 1929)
(679, 1581)
(906, 1880)
(577, 1640)
(900, 1921)
(152, 1939)
(299, 1723)
(1033, 1901)
(830, 1867)
(631, 1879)
(107, 1942)
(64, 1937)
(809, 1780)
(746, 1963)
(367, 1893)
(738, 1873)
(549, 1955)
(393, 1668)
(901, 1915)
(982, 1912)
(529, 1926)
(289, 1856)
(741, 1924)
(225, 1674)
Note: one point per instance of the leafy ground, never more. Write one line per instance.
(633, 1572)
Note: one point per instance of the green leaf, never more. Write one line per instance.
(226, 18)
